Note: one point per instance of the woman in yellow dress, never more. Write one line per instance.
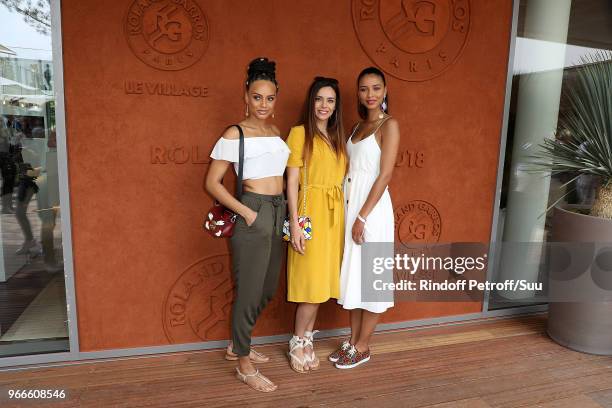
(315, 172)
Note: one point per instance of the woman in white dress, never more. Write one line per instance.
(372, 150)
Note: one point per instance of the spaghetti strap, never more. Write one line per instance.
(354, 130)
(373, 133)
(380, 125)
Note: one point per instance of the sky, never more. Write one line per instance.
(20, 37)
(537, 55)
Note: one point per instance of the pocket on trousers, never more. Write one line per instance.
(254, 224)
(254, 204)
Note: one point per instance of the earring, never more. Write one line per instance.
(272, 115)
(246, 113)
(383, 107)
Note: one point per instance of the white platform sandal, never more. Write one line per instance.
(312, 360)
(294, 344)
(245, 379)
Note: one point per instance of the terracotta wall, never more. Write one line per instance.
(145, 106)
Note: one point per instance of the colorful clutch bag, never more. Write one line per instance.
(303, 220)
(304, 223)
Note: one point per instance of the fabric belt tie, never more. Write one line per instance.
(277, 202)
(334, 194)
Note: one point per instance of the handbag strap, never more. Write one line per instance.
(305, 186)
(240, 163)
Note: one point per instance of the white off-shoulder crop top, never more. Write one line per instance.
(263, 156)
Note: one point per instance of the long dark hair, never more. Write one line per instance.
(362, 110)
(261, 68)
(335, 128)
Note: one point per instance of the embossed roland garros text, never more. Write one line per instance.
(413, 40)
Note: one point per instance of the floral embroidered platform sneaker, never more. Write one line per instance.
(352, 358)
(335, 356)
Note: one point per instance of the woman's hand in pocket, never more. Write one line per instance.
(250, 217)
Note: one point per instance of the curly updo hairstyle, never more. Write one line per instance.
(261, 69)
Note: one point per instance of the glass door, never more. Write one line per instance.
(33, 311)
(553, 39)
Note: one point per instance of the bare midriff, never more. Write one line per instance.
(267, 185)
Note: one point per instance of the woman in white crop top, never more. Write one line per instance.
(257, 246)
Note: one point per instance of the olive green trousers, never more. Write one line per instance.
(257, 254)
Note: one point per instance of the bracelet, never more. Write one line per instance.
(360, 218)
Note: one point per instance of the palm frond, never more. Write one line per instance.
(586, 126)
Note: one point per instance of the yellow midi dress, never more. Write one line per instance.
(315, 276)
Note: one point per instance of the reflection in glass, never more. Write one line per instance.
(553, 35)
(32, 289)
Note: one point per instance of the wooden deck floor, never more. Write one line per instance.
(494, 363)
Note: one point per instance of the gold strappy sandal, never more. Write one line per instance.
(255, 356)
(245, 379)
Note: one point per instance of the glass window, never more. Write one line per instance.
(553, 37)
(33, 310)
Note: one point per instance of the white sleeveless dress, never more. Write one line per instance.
(364, 168)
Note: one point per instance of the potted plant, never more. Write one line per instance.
(583, 149)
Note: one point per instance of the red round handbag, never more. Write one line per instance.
(220, 220)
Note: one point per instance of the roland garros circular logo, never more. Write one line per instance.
(197, 306)
(413, 40)
(417, 222)
(167, 34)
